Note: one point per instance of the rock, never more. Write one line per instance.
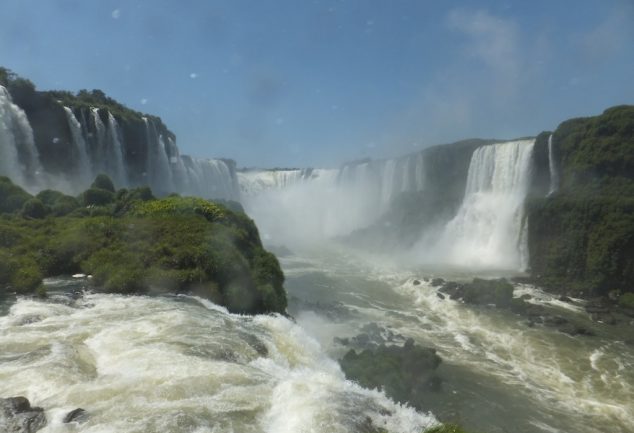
(564, 298)
(435, 282)
(416, 282)
(76, 415)
(487, 292)
(574, 330)
(452, 289)
(406, 373)
(526, 297)
(17, 416)
(342, 341)
(440, 295)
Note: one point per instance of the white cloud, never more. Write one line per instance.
(193, 75)
(493, 41)
(116, 14)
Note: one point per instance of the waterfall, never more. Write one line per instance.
(487, 231)
(98, 154)
(115, 152)
(552, 165)
(211, 178)
(19, 158)
(84, 171)
(253, 182)
(388, 177)
(159, 170)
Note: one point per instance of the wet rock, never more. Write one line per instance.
(574, 330)
(564, 298)
(342, 341)
(76, 415)
(440, 295)
(256, 344)
(605, 318)
(416, 282)
(437, 282)
(17, 416)
(452, 289)
(406, 373)
(526, 297)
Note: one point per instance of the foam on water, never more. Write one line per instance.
(140, 364)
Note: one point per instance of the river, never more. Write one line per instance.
(181, 364)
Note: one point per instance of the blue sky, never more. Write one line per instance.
(313, 83)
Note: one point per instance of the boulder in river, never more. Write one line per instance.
(17, 416)
(76, 415)
(406, 373)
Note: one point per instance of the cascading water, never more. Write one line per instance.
(115, 152)
(84, 170)
(211, 178)
(98, 152)
(18, 155)
(159, 171)
(487, 229)
(552, 165)
(255, 181)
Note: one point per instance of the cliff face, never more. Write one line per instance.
(73, 137)
(581, 235)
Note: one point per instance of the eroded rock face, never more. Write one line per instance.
(17, 416)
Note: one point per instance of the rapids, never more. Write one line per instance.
(182, 364)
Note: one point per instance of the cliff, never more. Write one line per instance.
(581, 235)
(64, 139)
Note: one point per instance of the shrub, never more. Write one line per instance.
(97, 197)
(12, 197)
(64, 205)
(626, 300)
(102, 181)
(49, 196)
(34, 208)
(26, 276)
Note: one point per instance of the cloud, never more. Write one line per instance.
(492, 41)
(116, 14)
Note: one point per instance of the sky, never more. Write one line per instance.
(303, 83)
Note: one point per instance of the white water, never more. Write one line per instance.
(114, 154)
(552, 166)
(499, 374)
(488, 229)
(84, 170)
(18, 154)
(139, 364)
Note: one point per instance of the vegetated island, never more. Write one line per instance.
(133, 243)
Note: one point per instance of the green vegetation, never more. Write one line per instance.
(134, 243)
(582, 237)
(627, 300)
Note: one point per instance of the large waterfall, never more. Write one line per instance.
(488, 230)
(485, 229)
(97, 144)
(18, 154)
